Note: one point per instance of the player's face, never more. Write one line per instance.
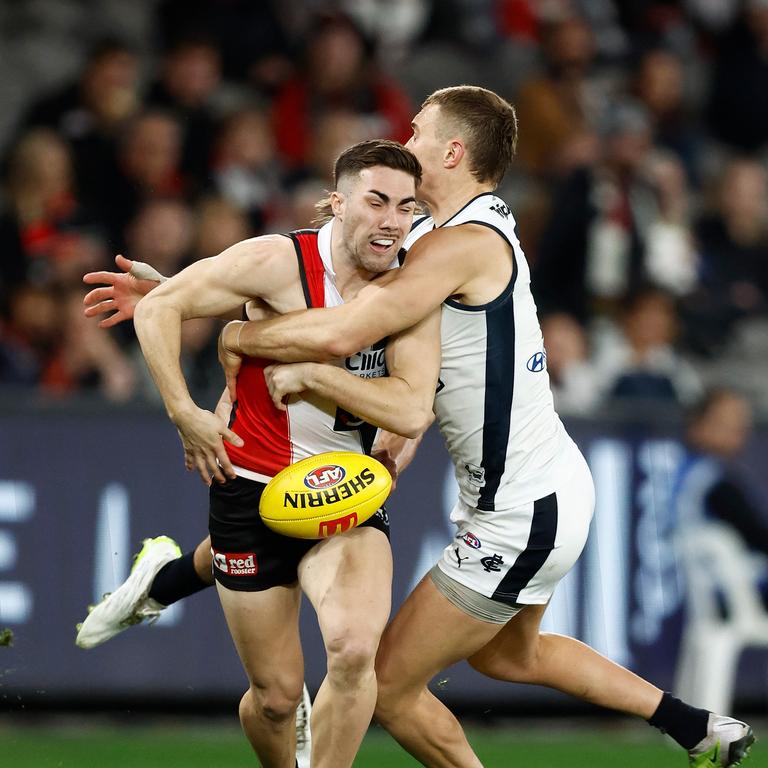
(376, 215)
(426, 144)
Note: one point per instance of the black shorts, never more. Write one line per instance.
(248, 556)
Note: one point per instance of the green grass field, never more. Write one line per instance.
(542, 745)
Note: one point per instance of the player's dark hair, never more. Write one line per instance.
(368, 154)
(487, 123)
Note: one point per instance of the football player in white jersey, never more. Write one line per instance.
(347, 577)
(526, 495)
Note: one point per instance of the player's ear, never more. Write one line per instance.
(337, 203)
(453, 154)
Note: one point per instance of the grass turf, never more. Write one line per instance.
(85, 746)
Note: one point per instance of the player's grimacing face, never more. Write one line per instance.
(378, 212)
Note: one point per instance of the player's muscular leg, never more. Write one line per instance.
(521, 654)
(428, 634)
(264, 626)
(203, 560)
(348, 579)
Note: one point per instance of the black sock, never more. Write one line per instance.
(685, 724)
(175, 580)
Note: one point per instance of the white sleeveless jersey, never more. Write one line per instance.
(493, 404)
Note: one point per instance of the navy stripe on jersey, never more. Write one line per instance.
(302, 270)
(464, 207)
(499, 386)
(541, 541)
(417, 221)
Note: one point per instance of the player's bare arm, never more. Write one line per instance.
(468, 262)
(264, 268)
(400, 402)
(120, 292)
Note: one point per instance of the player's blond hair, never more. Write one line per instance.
(486, 122)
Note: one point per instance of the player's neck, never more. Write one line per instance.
(450, 198)
(348, 276)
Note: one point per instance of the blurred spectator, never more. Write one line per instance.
(199, 355)
(219, 224)
(91, 112)
(150, 166)
(30, 336)
(659, 86)
(333, 133)
(250, 36)
(616, 225)
(302, 211)
(161, 235)
(395, 24)
(638, 360)
(558, 110)
(571, 376)
(87, 358)
(245, 169)
(709, 486)
(738, 109)
(733, 243)
(46, 235)
(48, 342)
(190, 75)
(338, 74)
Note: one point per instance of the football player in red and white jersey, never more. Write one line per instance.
(260, 574)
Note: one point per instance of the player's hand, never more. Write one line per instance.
(202, 434)
(286, 379)
(388, 460)
(122, 291)
(223, 408)
(230, 360)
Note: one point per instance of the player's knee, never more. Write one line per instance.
(391, 699)
(351, 655)
(276, 702)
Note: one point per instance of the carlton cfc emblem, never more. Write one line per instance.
(325, 477)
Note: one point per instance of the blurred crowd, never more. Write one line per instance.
(640, 188)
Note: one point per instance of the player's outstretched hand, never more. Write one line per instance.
(122, 291)
(230, 360)
(286, 379)
(202, 434)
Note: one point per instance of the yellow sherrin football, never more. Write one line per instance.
(324, 495)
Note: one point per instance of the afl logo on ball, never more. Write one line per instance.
(325, 477)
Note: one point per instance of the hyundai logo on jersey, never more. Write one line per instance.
(536, 362)
(324, 477)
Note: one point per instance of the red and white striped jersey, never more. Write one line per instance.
(273, 439)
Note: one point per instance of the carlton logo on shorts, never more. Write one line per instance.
(325, 477)
(236, 563)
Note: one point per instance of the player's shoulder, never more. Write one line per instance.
(271, 256)
(456, 238)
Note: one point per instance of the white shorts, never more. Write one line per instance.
(517, 556)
